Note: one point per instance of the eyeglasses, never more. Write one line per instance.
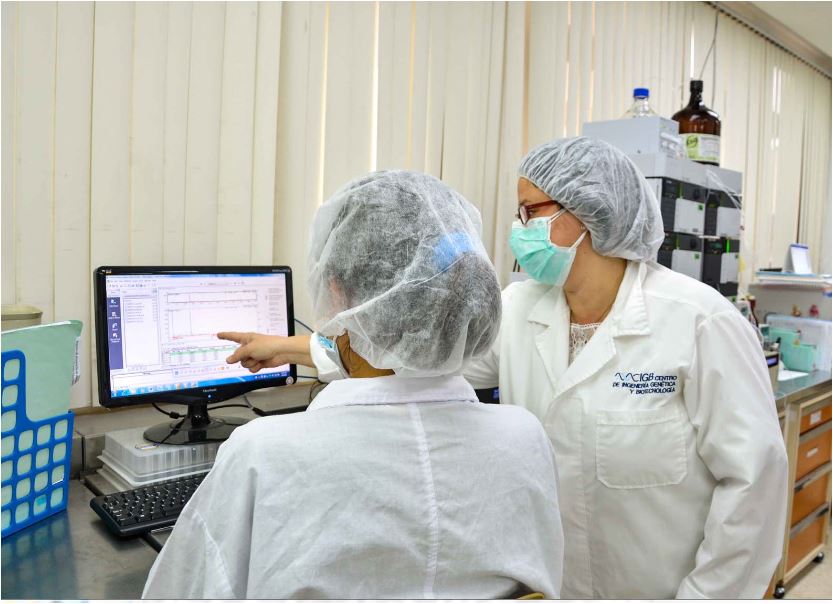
(523, 211)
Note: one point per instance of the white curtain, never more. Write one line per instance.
(209, 133)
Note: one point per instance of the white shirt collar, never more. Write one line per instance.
(394, 389)
(628, 316)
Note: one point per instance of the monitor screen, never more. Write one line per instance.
(162, 325)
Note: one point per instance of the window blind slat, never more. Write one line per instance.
(33, 156)
(174, 152)
(548, 86)
(203, 150)
(267, 74)
(512, 137)
(234, 188)
(110, 139)
(349, 93)
(73, 99)
(148, 133)
(436, 86)
(395, 56)
(300, 110)
(7, 128)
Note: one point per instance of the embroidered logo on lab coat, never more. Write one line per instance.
(645, 382)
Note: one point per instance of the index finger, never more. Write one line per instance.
(233, 336)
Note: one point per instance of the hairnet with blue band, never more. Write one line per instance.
(396, 260)
(450, 247)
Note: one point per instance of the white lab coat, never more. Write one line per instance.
(672, 467)
(385, 488)
(671, 487)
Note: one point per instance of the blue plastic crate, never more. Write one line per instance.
(36, 454)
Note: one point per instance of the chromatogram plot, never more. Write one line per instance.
(205, 322)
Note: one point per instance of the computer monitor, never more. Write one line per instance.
(156, 339)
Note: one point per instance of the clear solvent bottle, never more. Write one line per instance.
(641, 106)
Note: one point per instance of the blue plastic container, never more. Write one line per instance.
(36, 454)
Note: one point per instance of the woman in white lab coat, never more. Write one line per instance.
(395, 483)
(652, 388)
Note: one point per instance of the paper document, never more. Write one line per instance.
(785, 374)
(798, 260)
(51, 353)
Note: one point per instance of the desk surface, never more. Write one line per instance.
(800, 383)
(72, 556)
(790, 389)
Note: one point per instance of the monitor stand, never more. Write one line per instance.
(196, 427)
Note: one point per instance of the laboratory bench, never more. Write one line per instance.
(804, 410)
(72, 555)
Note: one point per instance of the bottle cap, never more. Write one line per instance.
(641, 93)
(696, 86)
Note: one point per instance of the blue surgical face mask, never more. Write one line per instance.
(538, 256)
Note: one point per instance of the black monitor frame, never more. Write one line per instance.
(197, 426)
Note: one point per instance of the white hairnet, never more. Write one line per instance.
(603, 189)
(396, 260)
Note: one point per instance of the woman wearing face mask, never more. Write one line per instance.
(651, 386)
(396, 482)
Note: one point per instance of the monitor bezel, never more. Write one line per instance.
(190, 396)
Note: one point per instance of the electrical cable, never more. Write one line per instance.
(249, 405)
(263, 413)
(171, 414)
(305, 326)
(706, 60)
(226, 406)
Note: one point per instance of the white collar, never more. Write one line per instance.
(393, 389)
(628, 316)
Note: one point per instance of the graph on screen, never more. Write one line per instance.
(165, 327)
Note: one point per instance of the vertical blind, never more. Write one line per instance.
(209, 133)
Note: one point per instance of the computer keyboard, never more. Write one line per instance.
(144, 509)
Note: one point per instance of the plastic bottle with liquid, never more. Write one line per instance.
(699, 127)
(641, 107)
